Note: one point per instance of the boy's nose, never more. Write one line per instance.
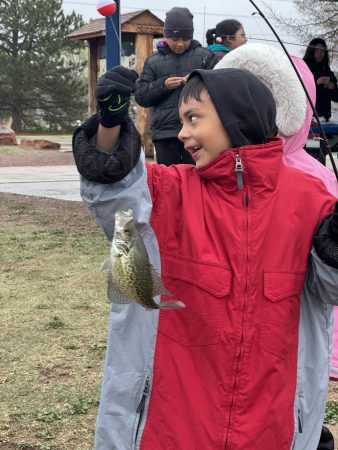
(182, 134)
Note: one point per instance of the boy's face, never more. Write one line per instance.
(178, 45)
(202, 131)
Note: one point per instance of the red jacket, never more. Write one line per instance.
(225, 366)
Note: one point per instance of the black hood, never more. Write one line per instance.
(244, 104)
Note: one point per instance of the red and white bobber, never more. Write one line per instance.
(106, 7)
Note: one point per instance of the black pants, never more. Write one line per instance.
(171, 151)
(326, 440)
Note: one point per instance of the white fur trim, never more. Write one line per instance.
(273, 67)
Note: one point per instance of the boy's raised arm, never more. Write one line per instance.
(107, 146)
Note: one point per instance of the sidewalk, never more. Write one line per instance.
(60, 182)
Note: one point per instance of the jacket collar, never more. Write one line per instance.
(262, 167)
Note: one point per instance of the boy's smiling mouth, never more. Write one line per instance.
(194, 149)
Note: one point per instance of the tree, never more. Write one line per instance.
(41, 74)
(317, 18)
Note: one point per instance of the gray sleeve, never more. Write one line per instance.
(130, 192)
(322, 280)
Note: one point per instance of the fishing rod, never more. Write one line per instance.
(322, 132)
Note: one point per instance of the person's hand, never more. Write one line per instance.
(331, 85)
(323, 80)
(173, 82)
(113, 91)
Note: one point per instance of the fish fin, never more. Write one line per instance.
(114, 295)
(171, 304)
(158, 287)
(106, 265)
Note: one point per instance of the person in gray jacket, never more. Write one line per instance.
(162, 80)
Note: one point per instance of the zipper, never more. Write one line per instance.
(145, 394)
(300, 425)
(239, 171)
(140, 409)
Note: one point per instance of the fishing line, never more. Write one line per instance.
(119, 40)
(322, 132)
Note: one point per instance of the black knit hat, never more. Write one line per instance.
(179, 23)
(244, 104)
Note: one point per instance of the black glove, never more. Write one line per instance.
(334, 224)
(326, 239)
(113, 91)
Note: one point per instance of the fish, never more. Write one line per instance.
(131, 276)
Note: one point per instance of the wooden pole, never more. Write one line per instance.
(93, 64)
(143, 48)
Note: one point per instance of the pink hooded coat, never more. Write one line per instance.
(296, 156)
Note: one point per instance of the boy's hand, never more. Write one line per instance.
(326, 239)
(173, 82)
(113, 91)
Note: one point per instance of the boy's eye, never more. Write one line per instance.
(193, 117)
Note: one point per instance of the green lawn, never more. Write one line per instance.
(54, 318)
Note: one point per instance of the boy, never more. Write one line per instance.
(162, 80)
(232, 236)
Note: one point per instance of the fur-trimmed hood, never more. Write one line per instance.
(272, 67)
(294, 112)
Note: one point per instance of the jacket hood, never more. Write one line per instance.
(298, 140)
(274, 69)
(294, 112)
(294, 153)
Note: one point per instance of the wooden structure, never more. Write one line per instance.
(138, 30)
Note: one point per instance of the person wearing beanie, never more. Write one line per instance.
(231, 237)
(294, 115)
(162, 79)
(228, 35)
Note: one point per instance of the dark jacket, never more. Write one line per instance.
(324, 96)
(151, 91)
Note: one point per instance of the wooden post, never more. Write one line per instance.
(93, 64)
(143, 48)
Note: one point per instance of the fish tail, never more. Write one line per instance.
(171, 304)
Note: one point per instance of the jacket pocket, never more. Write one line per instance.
(203, 287)
(280, 312)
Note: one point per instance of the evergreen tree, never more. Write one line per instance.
(41, 74)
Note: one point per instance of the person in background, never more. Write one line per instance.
(294, 116)
(317, 58)
(162, 79)
(228, 35)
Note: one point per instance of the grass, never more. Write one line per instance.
(54, 320)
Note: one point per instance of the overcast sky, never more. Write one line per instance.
(206, 15)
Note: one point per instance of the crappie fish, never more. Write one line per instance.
(131, 277)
